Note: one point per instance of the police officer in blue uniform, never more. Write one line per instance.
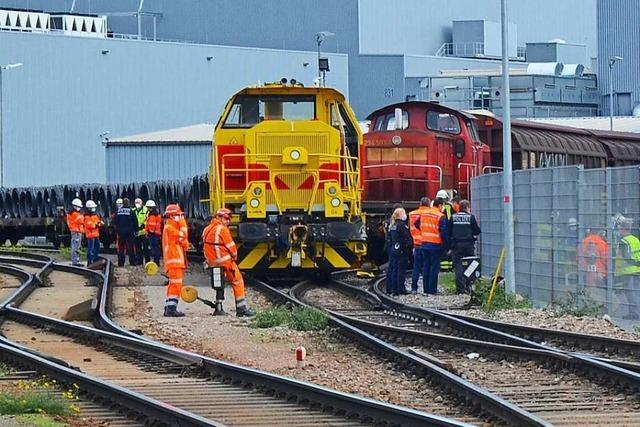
(464, 231)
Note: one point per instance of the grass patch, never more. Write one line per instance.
(32, 403)
(307, 319)
(296, 318)
(447, 283)
(4, 370)
(271, 317)
(576, 304)
(40, 420)
(501, 299)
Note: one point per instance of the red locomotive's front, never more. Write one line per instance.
(413, 149)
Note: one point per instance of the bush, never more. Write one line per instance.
(297, 318)
(269, 318)
(32, 403)
(307, 319)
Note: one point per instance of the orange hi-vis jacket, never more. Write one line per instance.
(154, 225)
(75, 222)
(430, 226)
(592, 254)
(219, 248)
(185, 230)
(92, 225)
(416, 234)
(173, 241)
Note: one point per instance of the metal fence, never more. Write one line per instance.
(569, 224)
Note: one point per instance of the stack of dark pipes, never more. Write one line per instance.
(44, 202)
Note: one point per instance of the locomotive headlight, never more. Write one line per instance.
(257, 191)
(332, 191)
(335, 202)
(295, 155)
(254, 203)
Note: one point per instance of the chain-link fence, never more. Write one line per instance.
(575, 235)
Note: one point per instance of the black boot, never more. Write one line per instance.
(244, 311)
(172, 311)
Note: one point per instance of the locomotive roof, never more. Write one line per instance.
(426, 105)
(277, 88)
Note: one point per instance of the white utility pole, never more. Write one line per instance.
(507, 174)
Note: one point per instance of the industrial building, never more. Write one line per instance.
(618, 36)
(165, 64)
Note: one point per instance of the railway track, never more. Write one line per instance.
(624, 354)
(166, 386)
(558, 388)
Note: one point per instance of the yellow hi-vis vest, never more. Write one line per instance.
(629, 266)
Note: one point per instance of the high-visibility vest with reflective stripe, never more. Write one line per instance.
(141, 217)
(154, 225)
(219, 247)
(75, 222)
(91, 225)
(416, 234)
(631, 265)
(173, 245)
(430, 226)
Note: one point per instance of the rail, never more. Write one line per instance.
(467, 391)
(470, 170)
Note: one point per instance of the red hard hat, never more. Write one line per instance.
(173, 209)
(224, 212)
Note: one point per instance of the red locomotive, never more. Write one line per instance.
(415, 148)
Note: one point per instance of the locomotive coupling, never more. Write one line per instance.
(298, 235)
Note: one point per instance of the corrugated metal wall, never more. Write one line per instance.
(68, 92)
(151, 162)
(618, 35)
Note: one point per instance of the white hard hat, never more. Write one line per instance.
(76, 202)
(91, 204)
(119, 201)
(150, 204)
(442, 194)
(623, 220)
(572, 222)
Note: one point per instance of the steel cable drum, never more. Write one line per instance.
(8, 204)
(3, 211)
(204, 194)
(39, 202)
(194, 196)
(15, 203)
(151, 191)
(46, 202)
(101, 195)
(183, 190)
(161, 192)
(26, 202)
(143, 192)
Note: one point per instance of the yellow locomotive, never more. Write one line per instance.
(286, 161)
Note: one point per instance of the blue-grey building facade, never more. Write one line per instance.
(379, 52)
(618, 35)
(71, 91)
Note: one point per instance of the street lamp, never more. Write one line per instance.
(612, 61)
(3, 68)
(323, 66)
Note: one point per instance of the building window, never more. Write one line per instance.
(443, 122)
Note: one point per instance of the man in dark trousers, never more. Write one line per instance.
(126, 227)
(464, 231)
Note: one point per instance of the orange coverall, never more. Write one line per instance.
(220, 251)
(174, 241)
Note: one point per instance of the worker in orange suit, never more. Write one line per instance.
(75, 222)
(220, 251)
(153, 227)
(174, 241)
(92, 224)
(592, 259)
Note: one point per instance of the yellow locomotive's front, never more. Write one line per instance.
(286, 162)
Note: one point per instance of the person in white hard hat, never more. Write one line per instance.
(140, 239)
(627, 266)
(75, 222)
(153, 228)
(92, 223)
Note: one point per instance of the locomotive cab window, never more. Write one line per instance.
(443, 122)
(387, 122)
(249, 110)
